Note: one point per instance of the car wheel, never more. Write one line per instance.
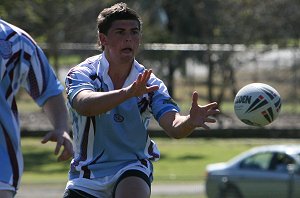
(231, 192)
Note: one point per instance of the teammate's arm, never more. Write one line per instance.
(56, 112)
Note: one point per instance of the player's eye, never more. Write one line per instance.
(121, 32)
(135, 32)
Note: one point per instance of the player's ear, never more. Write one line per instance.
(102, 39)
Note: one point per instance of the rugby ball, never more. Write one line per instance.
(257, 104)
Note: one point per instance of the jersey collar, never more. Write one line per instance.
(136, 69)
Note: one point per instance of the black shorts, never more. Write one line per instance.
(75, 193)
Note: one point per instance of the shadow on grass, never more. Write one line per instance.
(44, 162)
(191, 157)
(185, 157)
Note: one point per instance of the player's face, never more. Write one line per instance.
(122, 40)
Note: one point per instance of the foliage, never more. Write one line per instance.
(206, 21)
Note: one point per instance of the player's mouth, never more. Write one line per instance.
(127, 50)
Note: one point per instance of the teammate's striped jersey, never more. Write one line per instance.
(105, 143)
(23, 64)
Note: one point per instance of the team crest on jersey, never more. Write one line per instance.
(118, 117)
(5, 49)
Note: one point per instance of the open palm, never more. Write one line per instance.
(200, 115)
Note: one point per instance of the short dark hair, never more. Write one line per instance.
(119, 11)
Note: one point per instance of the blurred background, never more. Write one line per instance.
(212, 46)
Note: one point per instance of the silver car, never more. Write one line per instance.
(267, 172)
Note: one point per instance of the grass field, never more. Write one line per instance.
(182, 161)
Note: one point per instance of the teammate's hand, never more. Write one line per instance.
(61, 138)
(200, 115)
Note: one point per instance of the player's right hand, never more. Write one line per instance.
(139, 87)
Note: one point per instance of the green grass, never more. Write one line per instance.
(185, 160)
(181, 160)
(40, 163)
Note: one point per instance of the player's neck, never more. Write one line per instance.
(118, 74)
(119, 65)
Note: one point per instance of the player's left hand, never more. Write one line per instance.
(200, 115)
(61, 138)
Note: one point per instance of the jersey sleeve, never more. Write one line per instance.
(41, 82)
(78, 79)
(161, 101)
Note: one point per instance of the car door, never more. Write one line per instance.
(256, 179)
(294, 182)
(295, 178)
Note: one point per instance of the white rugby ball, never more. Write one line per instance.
(257, 104)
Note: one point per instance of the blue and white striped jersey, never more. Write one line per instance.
(105, 143)
(23, 64)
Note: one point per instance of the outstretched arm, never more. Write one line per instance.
(90, 103)
(179, 126)
(56, 112)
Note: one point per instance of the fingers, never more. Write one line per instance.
(63, 156)
(212, 108)
(152, 88)
(144, 77)
(58, 146)
(68, 150)
(209, 120)
(139, 78)
(51, 136)
(205, 126)
(195, 99)
(212, 105)
(67, 145)
(139, 87)
(66, 154)
(46, 138)
(61, 141)
(201, 114)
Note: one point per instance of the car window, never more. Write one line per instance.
(260, 161)
(280, 162)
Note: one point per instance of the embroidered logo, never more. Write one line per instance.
(5, 49)
(118, 118)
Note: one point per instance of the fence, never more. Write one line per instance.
(217, 71)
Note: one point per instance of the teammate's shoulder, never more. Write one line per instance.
(18, 31)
